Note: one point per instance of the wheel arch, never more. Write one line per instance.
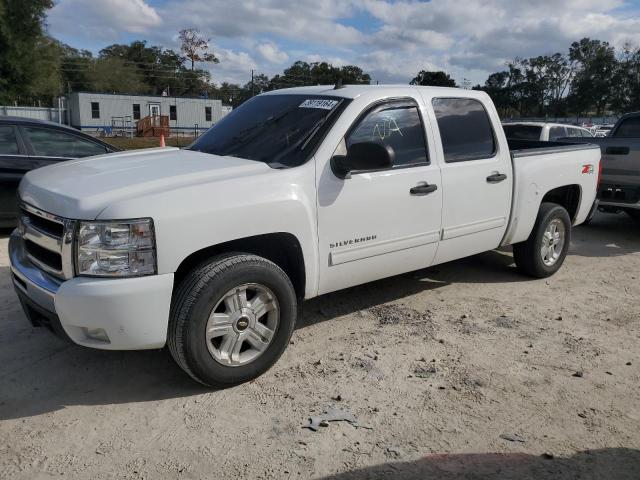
(282, 248)
(568, 196)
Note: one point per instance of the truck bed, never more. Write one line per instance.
(556, 164)
(528, 148)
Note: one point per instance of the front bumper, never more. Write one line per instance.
(133, 313)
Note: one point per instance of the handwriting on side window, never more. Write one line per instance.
(386, 128)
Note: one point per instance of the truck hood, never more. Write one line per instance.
(81, 189)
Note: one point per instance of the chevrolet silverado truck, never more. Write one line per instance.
(296, 193)
(619, 189)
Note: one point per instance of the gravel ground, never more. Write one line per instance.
(461, 371)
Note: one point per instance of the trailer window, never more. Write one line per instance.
(207, 114)
(629, 128)
(95, 110)
(173, 112)
(465, 129)
(136, 111)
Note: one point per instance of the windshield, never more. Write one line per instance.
(281, 130)
(522, 132)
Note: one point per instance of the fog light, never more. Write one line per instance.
(97, 334)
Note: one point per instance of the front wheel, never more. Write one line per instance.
(543, 253)
(231, 319)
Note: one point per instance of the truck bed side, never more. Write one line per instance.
(540, 168)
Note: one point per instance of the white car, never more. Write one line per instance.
(294, 194)
(542, 131)
(603, 130)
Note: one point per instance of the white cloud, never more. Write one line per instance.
(271, 53)
(468, 39)
(104, 19)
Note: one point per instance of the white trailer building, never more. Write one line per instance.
(112, 113)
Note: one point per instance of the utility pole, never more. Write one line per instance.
(252, 94)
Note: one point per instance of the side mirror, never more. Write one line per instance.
(363, 157)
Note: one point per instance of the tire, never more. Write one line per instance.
(215, 289)
(528, 255)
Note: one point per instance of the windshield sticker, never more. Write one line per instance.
(317, 103)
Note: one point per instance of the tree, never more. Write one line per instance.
(28, 58)
(195, 48)
(434, 79)
(595, 67)
(114, 75)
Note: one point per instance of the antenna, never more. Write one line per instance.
(338, 84)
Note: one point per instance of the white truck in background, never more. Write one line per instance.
(295, 194)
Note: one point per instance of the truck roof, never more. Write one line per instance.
(353, 91)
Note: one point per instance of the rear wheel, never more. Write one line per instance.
(231, 319)
(543, 253)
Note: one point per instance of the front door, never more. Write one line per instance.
(381, 223)
(476, 178)
(154, 109)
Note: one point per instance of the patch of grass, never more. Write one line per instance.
(147, 142)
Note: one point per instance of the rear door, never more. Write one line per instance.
(380, 223)
(476, 177)
(14, 163)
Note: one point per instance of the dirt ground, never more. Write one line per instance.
(462, 371)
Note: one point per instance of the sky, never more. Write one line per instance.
(390, 40)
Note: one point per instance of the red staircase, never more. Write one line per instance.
(153, 126)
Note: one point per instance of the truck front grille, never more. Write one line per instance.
(51, 259)
(48, 241)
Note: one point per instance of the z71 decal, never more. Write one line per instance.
(588, 169)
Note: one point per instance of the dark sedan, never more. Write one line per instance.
(27, 144)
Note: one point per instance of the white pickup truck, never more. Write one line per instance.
(297, 193)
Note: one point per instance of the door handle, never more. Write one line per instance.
(496, 177)
(423, 188)
(617, 151)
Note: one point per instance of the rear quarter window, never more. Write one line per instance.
(630, 128)
(465, 129)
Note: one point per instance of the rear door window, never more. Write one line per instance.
(465, 129)
(556, 132)
(8, 141)
(47, 142)
(573, 132)
(630, 128)
(398, 125)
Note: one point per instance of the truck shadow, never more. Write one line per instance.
(607, 463)
(39, 373)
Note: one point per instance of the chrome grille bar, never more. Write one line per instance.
(44, 238)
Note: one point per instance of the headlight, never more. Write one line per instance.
(116, 249)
